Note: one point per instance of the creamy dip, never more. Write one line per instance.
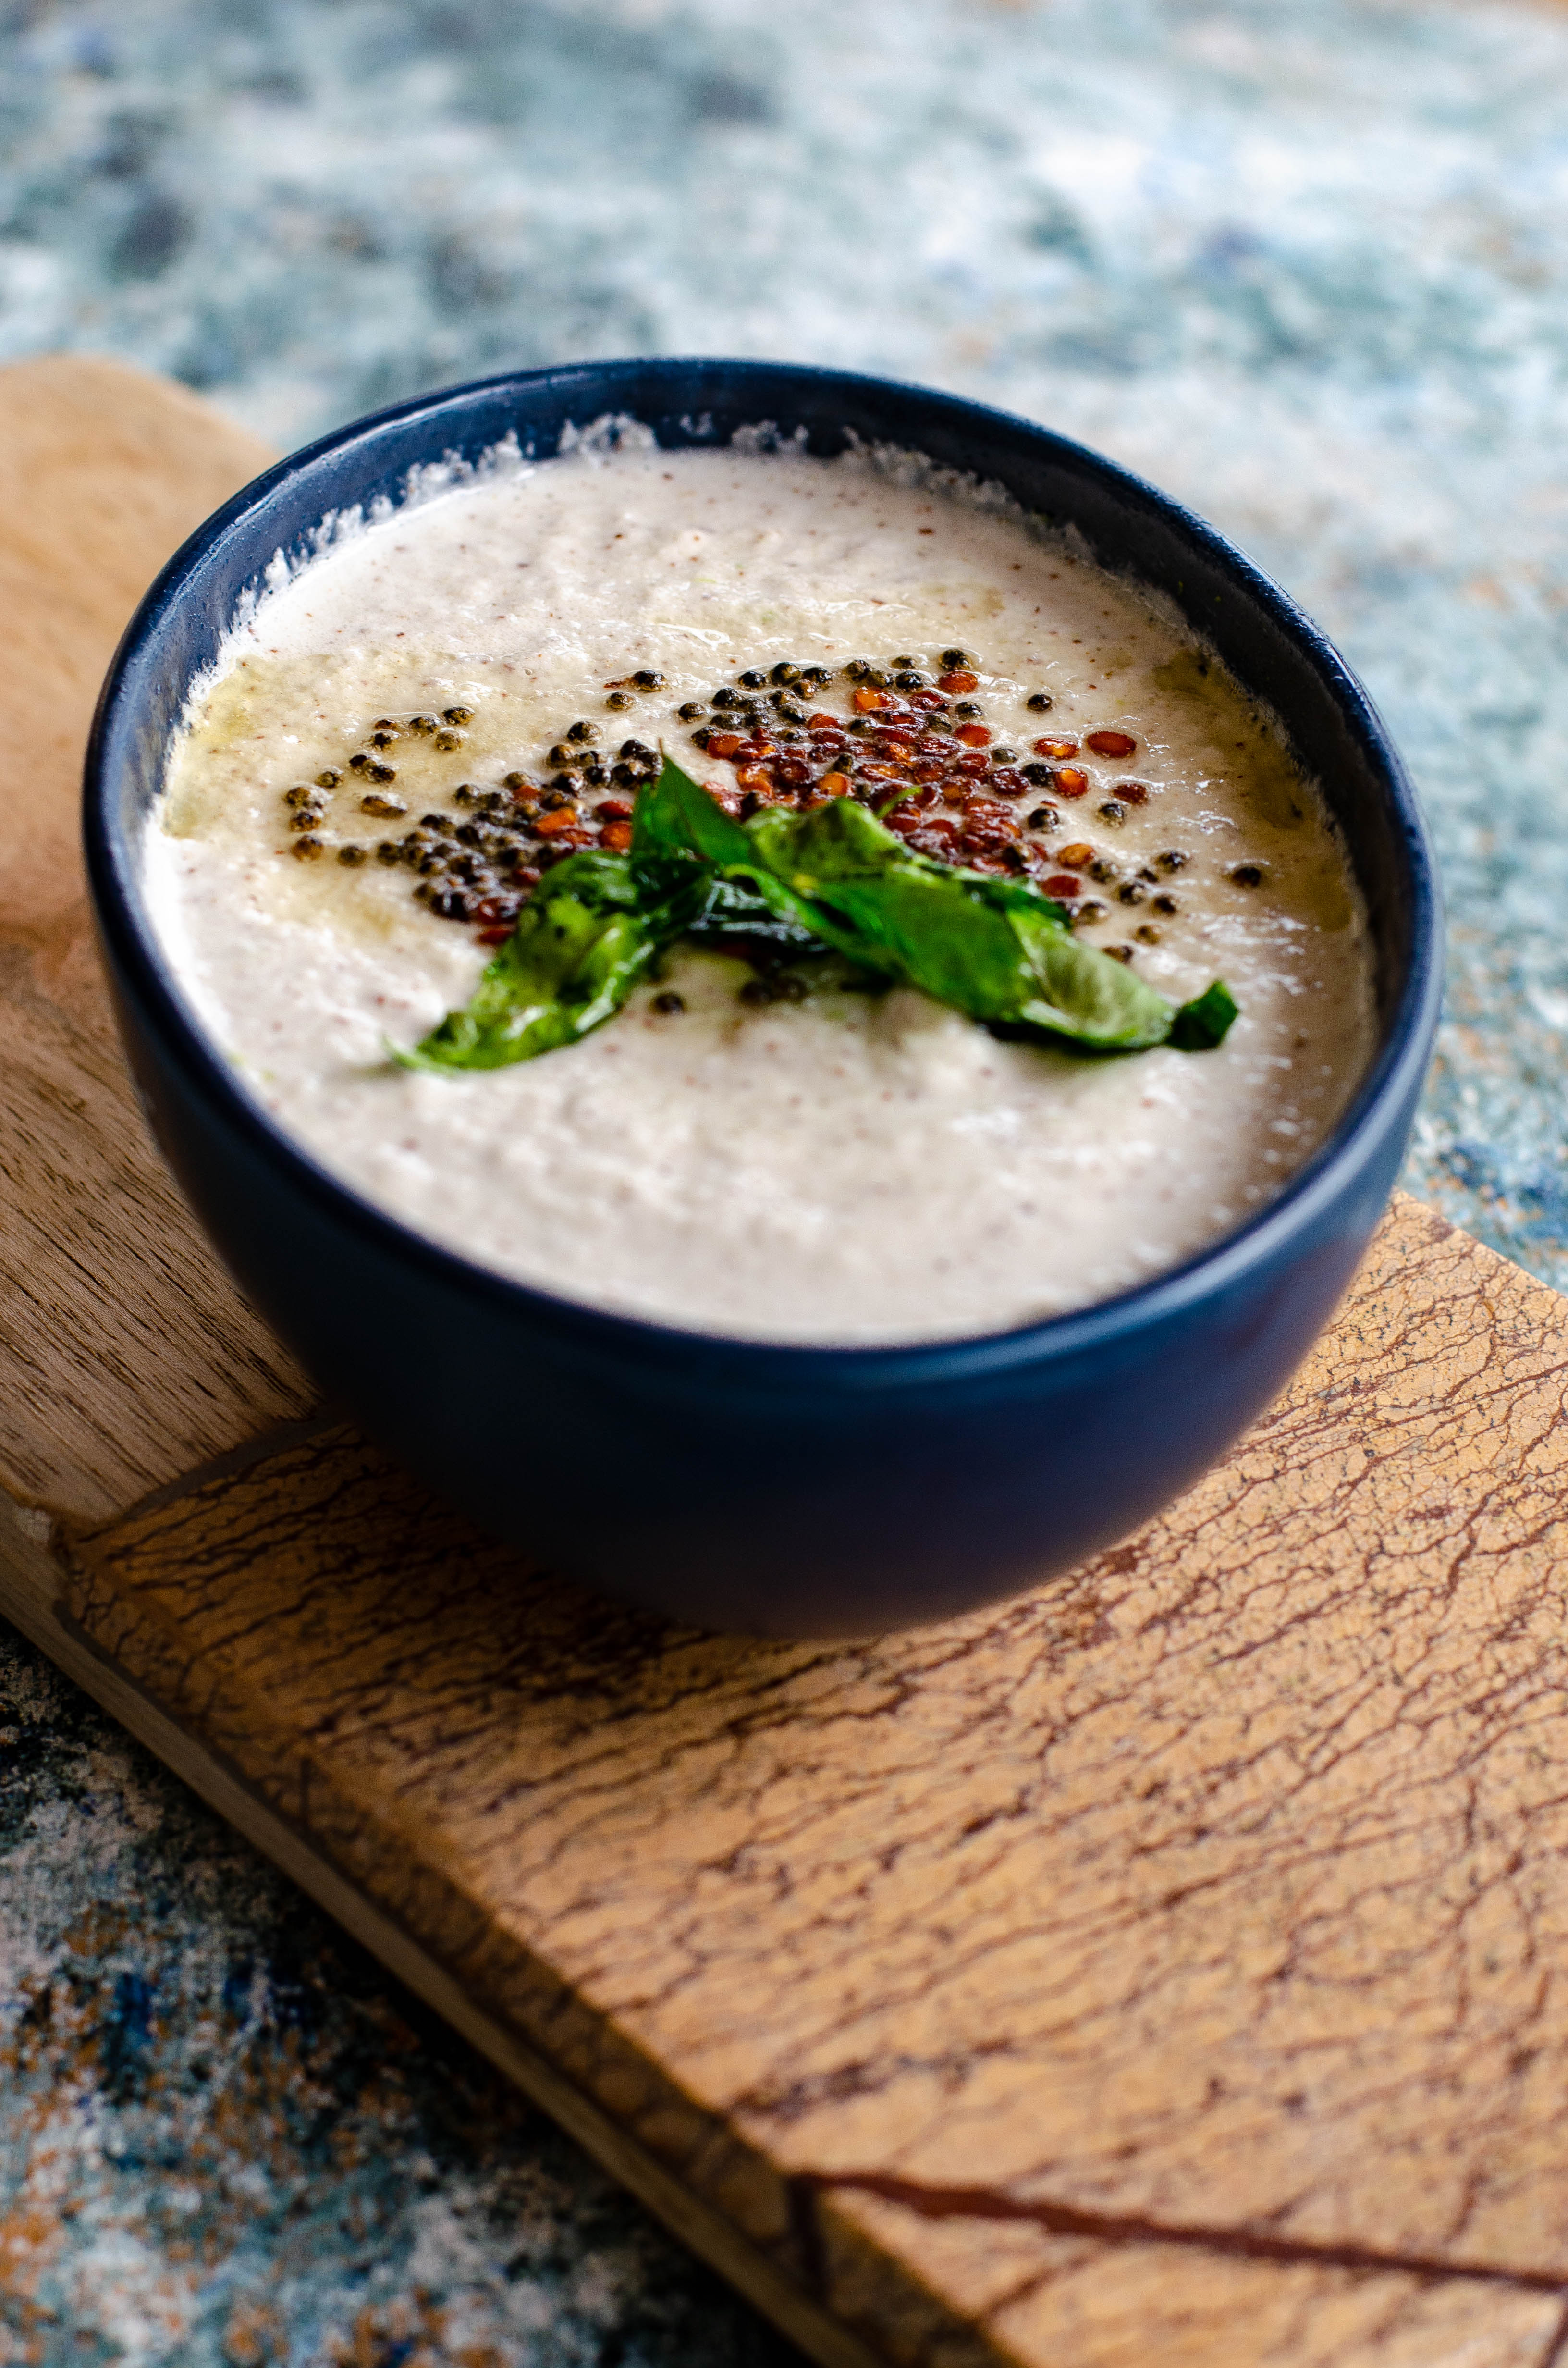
(846, 1168)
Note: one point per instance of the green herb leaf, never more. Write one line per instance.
(995, 948)
(674, 816)
(676, 827)
(678, 824)
(1201, 1024)
(580, 948)
(835, 879)
(739, 911)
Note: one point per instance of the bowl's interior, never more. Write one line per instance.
(1267, 644)
(1270, 647)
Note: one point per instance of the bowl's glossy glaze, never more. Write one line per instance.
(791, 1490)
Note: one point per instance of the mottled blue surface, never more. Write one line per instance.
(1305, 265)
(226, 2137)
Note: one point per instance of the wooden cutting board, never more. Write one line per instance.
(1168, 1967)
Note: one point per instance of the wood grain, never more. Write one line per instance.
(127, 1356)
(1164, 1968)
(1198, 1915)
(103, 473)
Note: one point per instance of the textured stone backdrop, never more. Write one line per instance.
(226, 2139)
(1305, 265)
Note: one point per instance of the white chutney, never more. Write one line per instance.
(846, 1168)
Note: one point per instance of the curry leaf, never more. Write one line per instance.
(834, 878)
(1204, 1023)
(995, 948)
(580, 948)
(674, 816)
(739, 911)
(678, 825)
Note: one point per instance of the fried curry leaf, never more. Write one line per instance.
(833, 879)
(675, 819)
(678, 829)
(995, 949)
(739, 913)
(1204, 1023)
(580, 948)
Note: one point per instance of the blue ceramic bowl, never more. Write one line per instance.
(790, 1491)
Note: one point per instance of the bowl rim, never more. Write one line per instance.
(1393, 1075)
